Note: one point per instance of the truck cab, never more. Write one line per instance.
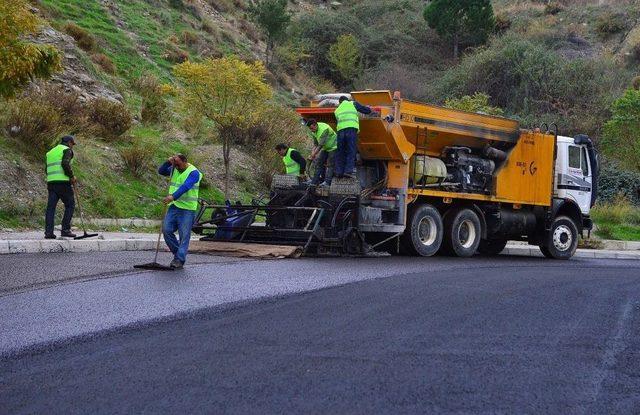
(576, 175)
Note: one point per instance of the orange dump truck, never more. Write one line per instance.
(432, 179)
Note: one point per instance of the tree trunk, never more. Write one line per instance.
(226, 157)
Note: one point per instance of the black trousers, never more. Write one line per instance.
(64, 192)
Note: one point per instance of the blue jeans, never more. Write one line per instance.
(321, 172)
(180, 220)
(346, 152)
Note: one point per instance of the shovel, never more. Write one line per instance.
(84, 228)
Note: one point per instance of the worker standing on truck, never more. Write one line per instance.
(60, 181)
(183, 204)
(348, 125)
(324, 151)
(294, 163)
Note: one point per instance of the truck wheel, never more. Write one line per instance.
(562, 240)
(462, 233)
(423, 235)
(491, 247)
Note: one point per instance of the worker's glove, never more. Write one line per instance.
(304, 177)
(168, 199)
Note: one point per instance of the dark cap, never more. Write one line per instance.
(68, 139)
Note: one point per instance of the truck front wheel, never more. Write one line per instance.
(462, 231)
(561, 241)
(423, 235)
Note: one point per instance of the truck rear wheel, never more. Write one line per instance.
(491, 247)
(423, 235)
(561, 241)
(462, 232)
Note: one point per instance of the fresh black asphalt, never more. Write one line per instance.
(556, 338)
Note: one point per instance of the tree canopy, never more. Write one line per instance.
(346, 57)
(273, 19)
(461, 21)
(226, 91)
(621, 139)
(20, 60)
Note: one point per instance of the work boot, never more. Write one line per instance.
(68, 234)
(176, 264)
(51, 236)
(324, 184)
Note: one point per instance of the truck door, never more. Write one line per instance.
(575, 180)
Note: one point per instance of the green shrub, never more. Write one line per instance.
(615, 182)
(176, 4)
(42, 114)
(34, 124)
(503, 23)
(111, 118)
(621, 138)
(479, 103)
(553, 7)
(137, 158)
(610, 23)
(153, 103)
(174, 54)
(190, 38)
(222, 6)
(84, 39)
(618, 211)
(275, 125)
(537, 84)
(104, 62)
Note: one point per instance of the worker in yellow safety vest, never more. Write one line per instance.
(183, 203)
(347, 126)
(294, 163)
(324, 150)
(60, 181)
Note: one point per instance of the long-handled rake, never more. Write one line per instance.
(84, 228)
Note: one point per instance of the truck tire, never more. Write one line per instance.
(424, 232)
(491, 247)
(561, 241)
(462, 233)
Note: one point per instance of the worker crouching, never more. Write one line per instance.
(183, 204)
(294, 163)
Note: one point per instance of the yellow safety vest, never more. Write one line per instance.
(332, 142)
(55, 172)
(347, 116)
(290, 165)
(189, 199)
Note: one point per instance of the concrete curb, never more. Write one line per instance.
(112, 245)
(83, 245)
(534, 251)
(122, 223)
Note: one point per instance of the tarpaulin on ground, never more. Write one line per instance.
(245, 250)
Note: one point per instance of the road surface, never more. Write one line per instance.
(386, 335)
